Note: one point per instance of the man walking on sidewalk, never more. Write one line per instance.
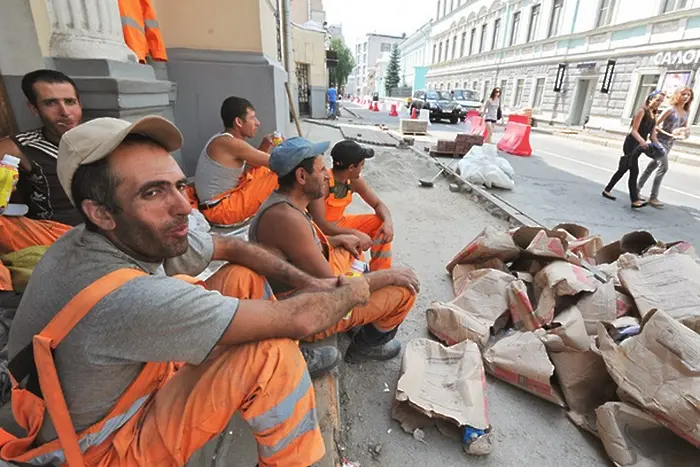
(375, 231)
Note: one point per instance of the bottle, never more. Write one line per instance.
(9, 175)
(357, 268)
(277, 138)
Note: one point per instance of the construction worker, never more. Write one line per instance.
(375, 231)
(283, 225)
(232, 178)
(141, 30)
(92, 351)
(53, 97)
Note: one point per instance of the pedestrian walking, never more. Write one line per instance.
(643, 128)
(332, 96)
(671, 125)
(491, 110)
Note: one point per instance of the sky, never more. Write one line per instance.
(392, 17)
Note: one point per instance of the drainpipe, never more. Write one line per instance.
(287, 37)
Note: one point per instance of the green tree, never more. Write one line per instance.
(338, 75)
(393, 71)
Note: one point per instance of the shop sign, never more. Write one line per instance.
(607, 79)
(559, 81)
(678, 57)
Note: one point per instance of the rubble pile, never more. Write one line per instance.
(610, 333)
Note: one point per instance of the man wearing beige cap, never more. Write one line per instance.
(94, 347)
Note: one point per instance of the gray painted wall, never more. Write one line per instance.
(318, 101)
(206, 77)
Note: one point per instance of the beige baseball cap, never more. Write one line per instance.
(94, 140)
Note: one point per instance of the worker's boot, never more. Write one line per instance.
(371, 344)
(320, 360)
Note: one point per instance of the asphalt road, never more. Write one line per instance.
(563, 180)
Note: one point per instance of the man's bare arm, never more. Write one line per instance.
(224, 149)
(262, 261)
(296, 317)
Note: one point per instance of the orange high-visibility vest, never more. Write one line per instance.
(335, 207)
(141, 30)
(36, 391)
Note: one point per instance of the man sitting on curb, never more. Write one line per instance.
(103, 310)
(232, 178)
(283, 225)
(53, 97)
(375, 231)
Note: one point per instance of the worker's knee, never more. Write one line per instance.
(238, 281)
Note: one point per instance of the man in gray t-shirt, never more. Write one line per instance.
(238, 351)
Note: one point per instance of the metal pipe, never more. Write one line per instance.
(287, 37)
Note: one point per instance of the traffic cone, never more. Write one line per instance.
(414, 114)
(393, 112)
(376, 107)
(370, 105)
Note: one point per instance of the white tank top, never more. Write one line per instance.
(211, 179)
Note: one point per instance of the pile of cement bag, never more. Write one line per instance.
(610, 333)
(483, 166)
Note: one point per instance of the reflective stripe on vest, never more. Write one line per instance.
(91, 439)
(131, 22)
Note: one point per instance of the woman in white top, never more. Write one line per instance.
(490, 111)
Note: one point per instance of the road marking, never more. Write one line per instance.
(681, 192)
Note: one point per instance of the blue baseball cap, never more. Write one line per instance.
(291, 152)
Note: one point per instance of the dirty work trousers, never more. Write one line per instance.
(18, 233)
(386, 310)
(370, 224)
(237, 205)
(266, 380)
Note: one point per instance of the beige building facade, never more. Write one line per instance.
(215, 49)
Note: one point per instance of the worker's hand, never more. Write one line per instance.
(350, 243)
(360, 292)
(266, 143)
(386, 232)
(405, 277)
(365, 240)
(328, 283)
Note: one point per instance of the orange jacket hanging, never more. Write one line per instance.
(141, 30)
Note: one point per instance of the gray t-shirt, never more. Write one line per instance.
(153, 318)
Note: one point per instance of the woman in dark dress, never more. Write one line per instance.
(643, 128)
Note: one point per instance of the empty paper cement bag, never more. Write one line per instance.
(633, 438)
(659, 369)
(445, 383)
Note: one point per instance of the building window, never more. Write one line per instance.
(487, 91)
(647, 84)
(452, 5)
(496, 33)
(504, 89)
(440, 53)
(454, 47)
(673, 5)
(385, 47)
(464, 44)
(434, 52)
(444, 12)
(514, 29)
(539, 92)
(605, 12)
(555, 18)
(518, 97)
(482, 38)
(472, 38)
(475, 85)
(534, 22)
(437, 14)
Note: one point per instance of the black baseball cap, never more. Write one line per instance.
(347, 153)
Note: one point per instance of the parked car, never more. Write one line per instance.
(468, 99)
(440, 104)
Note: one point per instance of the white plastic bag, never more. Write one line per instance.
(481, 166)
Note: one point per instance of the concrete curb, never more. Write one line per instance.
(496, 206)
(351, 112)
